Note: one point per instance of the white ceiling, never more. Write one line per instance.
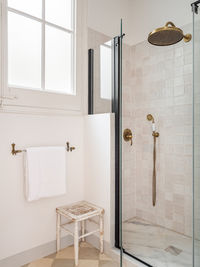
(139, 16)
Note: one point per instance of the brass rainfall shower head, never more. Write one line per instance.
(168, 35)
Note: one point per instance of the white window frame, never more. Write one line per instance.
(38, 98)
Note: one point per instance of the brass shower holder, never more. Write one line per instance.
(155, 134)
(151, 118)
(14, 152)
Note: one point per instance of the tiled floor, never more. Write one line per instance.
(88, 257)
(156, 245)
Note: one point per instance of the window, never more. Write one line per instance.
(41, 41)
(106, 70)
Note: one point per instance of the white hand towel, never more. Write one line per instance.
(45, 172)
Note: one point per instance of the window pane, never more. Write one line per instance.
(59, 12)
(24, 51)
(32, 7)
(58, 60)
(106, 71)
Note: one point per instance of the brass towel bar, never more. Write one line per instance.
(15, 152)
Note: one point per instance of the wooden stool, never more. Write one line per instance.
(75, 213)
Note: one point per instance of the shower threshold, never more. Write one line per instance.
(156, 245)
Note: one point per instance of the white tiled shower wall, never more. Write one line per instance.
(158, 80)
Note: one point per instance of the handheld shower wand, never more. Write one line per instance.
(151, 118)
(155, 135)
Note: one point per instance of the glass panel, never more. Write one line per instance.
(59, 12)
(106, 70)
(24, 51)
(58, 61)
(157, 170)
(32, 7)
(120, 99)
(196, 41)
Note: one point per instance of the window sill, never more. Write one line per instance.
(40, 102)
(6, 108)
(73, 92)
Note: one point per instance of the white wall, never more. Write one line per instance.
(26, 225)
(105, 15)
(98, 165)
(139, 16)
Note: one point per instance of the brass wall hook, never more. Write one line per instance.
(70, 148)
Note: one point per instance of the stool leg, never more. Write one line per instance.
(83, 230)
(58, 232)
(76, 243)
(101, 232)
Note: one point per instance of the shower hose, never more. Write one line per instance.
(154, 173)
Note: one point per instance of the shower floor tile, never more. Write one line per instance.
(156, 245)
(88, 257)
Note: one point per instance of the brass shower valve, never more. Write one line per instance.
(128, 136)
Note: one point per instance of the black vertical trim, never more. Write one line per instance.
(90, 81)
(116, 110)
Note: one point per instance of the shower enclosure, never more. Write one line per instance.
(153, 88)
(157, 168)
(160, 196)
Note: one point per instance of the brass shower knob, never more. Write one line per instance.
(128, 136)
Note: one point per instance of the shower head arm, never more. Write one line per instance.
(187, 37)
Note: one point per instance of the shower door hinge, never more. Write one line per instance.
(195, 7)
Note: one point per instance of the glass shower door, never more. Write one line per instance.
(196, 134)
(157, 151)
